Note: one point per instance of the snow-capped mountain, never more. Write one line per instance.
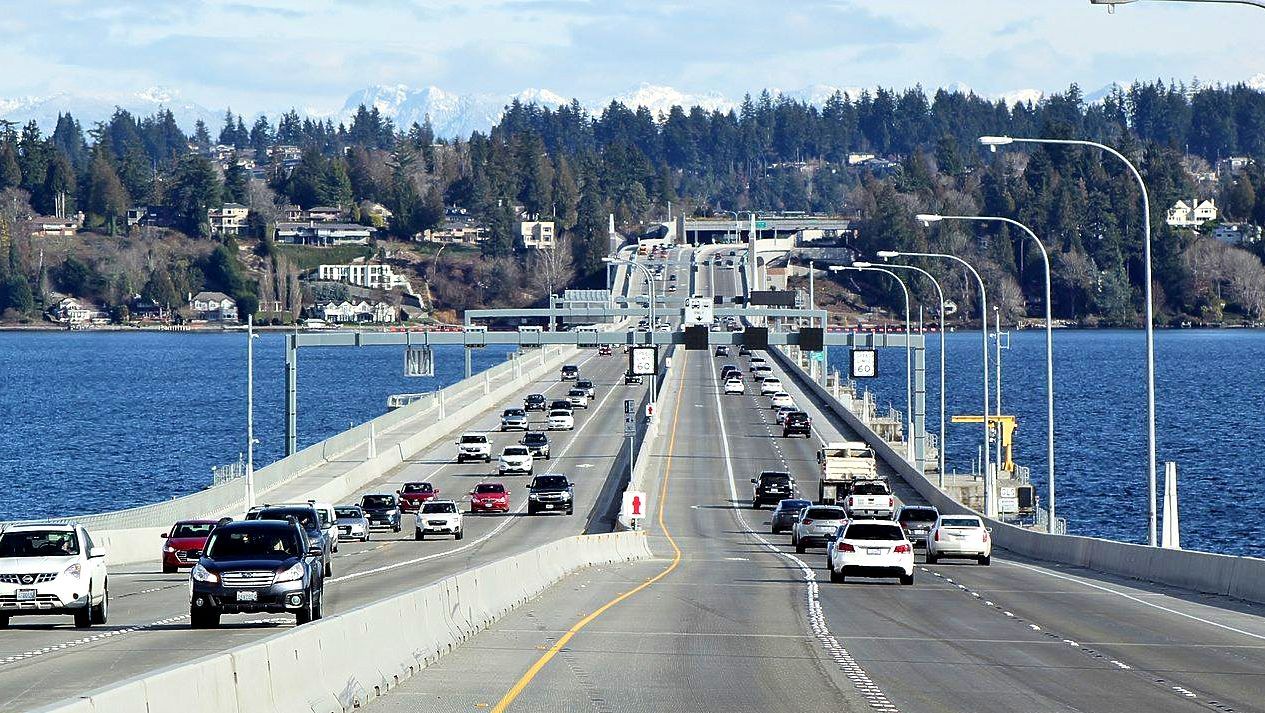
(91, 108)
(450, 114)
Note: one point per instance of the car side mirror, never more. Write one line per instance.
(165, 535)
(96, 552)
(753, 480)
(988, 529)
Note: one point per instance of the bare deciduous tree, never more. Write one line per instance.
(552, 268)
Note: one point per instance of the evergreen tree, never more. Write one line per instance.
(106, 195)
(201, 136)
(236, 183)
(10, 171)
(195, 188)
(59, 185)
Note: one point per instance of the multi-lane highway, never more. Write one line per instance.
(44, 659)
(729, 618)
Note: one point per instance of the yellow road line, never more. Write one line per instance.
(535, 669)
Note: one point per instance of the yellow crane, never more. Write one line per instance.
(1006, 425)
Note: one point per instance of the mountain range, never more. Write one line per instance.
(451, 114)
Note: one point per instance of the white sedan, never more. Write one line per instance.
(52, 569)
(959, 536)
(782, 400)
(560, 420)
(871, 548)
(770, 386)
(515, 459)
(439, 517)
(734, 386)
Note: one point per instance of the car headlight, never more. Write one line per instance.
(293, 573)
(168, 548)
(74, 570)
(566, 496)
(201, 574)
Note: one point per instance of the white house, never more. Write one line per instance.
(378, 277)
(313, 233)
(1237, 233)
(358, 312)
(73, 312)
(230, 219)
(536, 233)
(213, 306)
(1192, 214)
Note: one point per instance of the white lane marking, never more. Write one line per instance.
(816, 616)
(91, 639)
(1132, 598)
(495, 531)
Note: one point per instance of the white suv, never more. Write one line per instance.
(770, 386)
(515, 459)
(873, 548)
(439, 517)
(734, 386)
(52, 569)
(474, 446)
(327, 517)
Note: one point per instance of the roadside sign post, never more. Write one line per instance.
(630, 431)
(634, 507)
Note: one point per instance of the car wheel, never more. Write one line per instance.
(101, 612)
(531, 510)
(835, 575)
(843, 575)
(419, 535)
(460, 534)
(203, 618)
(755, 504)
(170, 569)
(4, 621)
(83, 617)
(329, 568)
(487, 459)
(799, 548)
(397, 527)
(907, 579)
(570, 511)
(774, 530)
(460, 459)
(317, 598)
(931, 558)
(986, 560)
(304, 615)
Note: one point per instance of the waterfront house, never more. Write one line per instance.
(213, 307)
(74, 312)
(378, 277)
(324, 214)
(342, 312)
(50, 226)
(229, 219)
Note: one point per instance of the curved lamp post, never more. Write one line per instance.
(993, 142)
(909, 361)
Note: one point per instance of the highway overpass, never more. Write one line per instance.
(724, 616)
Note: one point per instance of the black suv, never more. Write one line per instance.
(382, 510)
(550, 491)
(534, 402)
(797, 423)
(537, 444)
(570, 372)
(308, 520)
(257, 566)
(770, 487)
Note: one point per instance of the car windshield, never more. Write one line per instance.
(535, 439)
(559, 412)
(775, 478)
(584, 384)
(873, 531)
(489, 488)
(515, 451)
(417, 488)
(793, 504)
(264, 544)
(513, 412)
(959, 522)
(431, 508)
(349, 513)
(576, 392)
(824, 514)
(474, 439)
(377, 501)
(550, 481)
(192, 529)
(39, 543)
(917, 515)
(869, 489)
(534, 398)
(797, 416)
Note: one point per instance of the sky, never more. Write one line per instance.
(268, 54)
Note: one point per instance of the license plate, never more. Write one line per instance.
(875, 551)
(26, 595)
(248, 596)
(548, 506)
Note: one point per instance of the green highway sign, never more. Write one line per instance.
(761, 224)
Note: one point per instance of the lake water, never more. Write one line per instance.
(95, 421)
(1208, 401)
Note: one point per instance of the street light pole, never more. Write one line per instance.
(940, 295)
(990, 499)
(250, 411)
(995, 141)
(909, 360)
(654, 378)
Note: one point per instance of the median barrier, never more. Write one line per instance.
(1230, 575)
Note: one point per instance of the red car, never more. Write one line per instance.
(184, 543)
(489, 497)
(604, 350)
(412, 495)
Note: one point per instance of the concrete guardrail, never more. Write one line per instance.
(342, 662)
(1234, 576)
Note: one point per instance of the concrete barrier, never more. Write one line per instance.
(1239, 577)
(344, 661)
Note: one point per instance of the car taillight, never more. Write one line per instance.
(937, 535)
(891, 502)
(808, 522)
(851, 501)
(986, 537)
(901, 548)
(845, 547)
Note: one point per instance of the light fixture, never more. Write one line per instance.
(862, 264)
(928, 218)
(885, 254)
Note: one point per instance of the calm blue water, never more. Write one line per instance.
(1208, 398)
(93, 421)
